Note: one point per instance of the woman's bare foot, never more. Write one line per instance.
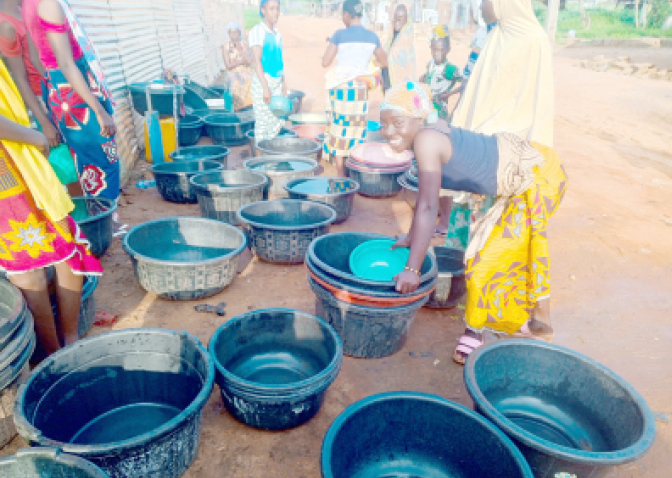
(469, 342)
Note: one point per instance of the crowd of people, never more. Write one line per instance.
(489, 179)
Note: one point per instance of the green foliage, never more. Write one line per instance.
(660, 10)
(251, 17)
(607, 23)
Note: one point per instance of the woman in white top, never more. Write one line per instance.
(349, 83)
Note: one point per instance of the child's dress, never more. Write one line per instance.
(441, 79)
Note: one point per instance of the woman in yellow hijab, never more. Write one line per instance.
(36, 230)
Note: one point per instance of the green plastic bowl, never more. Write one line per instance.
(375, 260)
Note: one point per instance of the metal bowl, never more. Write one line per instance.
(292, 146)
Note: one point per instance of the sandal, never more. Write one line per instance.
(535, 330)
(465, 346)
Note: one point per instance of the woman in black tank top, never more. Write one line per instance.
(507, 257)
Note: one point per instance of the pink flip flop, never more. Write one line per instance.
(465, 346)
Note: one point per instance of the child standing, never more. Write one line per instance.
(269, 78)
(442, 77)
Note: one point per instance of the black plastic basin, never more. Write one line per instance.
(415, 435)
(184, 258)
(94, 218)
(566, 412)
(172, 179)
(296, 97)
(162, 99)
(228, 128)
(331, 254)
(336, 192)
(44, 462)
(202, 153)
(280, 231)
(130, 401)
(451, 285)
(275, 365)
(190, 130)
(376, 184)
(222, 193)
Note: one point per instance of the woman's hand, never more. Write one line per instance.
(267, 95)
(50, 132)
(107, 127)
(403, 240)
(42, 143)
(407, 281)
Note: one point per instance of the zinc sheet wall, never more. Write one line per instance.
(137, 39)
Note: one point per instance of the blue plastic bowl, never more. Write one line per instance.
(376, 260)
(280, 106)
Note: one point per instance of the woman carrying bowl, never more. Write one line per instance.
(507, 258)
(238, 60)
(36, 230)
(349, 83)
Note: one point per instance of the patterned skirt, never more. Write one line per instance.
(267, 125)
(28, 238)
(95, 156)
(510, 274)
(348, 108)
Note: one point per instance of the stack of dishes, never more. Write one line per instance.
(376, 167)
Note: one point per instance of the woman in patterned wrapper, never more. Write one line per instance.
(77, 94)
(507, 259)
(36, 230)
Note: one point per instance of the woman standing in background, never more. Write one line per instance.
(238, 59)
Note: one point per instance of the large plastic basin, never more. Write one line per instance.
(275, 365)
(568, 414)
(228, 128)
(280, 231)
(172, 179)
(202, 153)
(414, 435)
(43, 462)
(184, 258)
(280, 169)
(130, 401)
(289, 146)
(336, 192)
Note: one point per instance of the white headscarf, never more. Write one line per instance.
(511, 87)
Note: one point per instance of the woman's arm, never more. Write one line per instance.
(256, 53)
(381, 57)
(329, 55)
(247, 55)
(429, 149)
(17, 68)
(51, 11)
(12, 131)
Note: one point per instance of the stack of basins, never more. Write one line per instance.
(190, 130)
(275, 365)
(229, 128)
(371, 317)
(17, 342)
(376, 167)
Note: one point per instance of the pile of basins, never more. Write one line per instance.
(371, 317)
(376, 167)
(17, 342)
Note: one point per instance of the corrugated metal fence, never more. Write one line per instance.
(137, 39)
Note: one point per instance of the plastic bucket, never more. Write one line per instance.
(368, 332)
(408, 434)
(275, 365)
(568, 414)
(130, 401)
(44, 462)
(94, 218)
(222, 193)
(190, 130)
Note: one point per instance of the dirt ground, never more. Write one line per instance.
(611, 247)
